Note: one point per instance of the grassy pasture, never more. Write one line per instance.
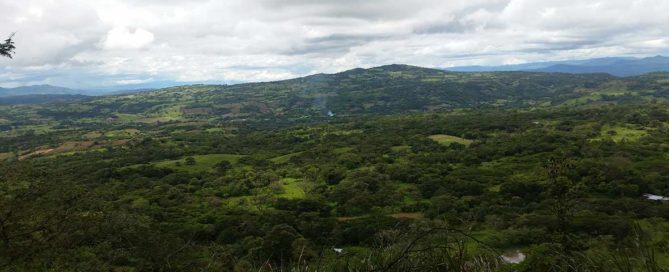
(4, 156)
(213, 130)
(123, 133)
(284, 158)
(619, 133)
(401, 148)
(292, 189)
(448, 139)
(93, 135)
(203, 163)
(342, 150)
(411, 216)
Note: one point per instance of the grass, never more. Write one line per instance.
(153, 120)
(124, 133)
(92, 135)
(292, 189)
(203, 163)
(342, 150)
(37, 129)
(237, 201)
(173, 112)
(74, 146)
(4, 156)
(284, 158)
(583, 100)
(448, 139)
(401, 148)
(656, 231)
(410, 192)
(214, 130)
(414, 216)
(125, 117)
(621, 133)
(347, 132)
(495, 188)
(404, 215)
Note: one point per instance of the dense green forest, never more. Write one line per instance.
(395, 168)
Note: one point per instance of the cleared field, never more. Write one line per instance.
(74, 146)
(292, 189)
(448, 139)
(203, 163)
(71, 147)
(93, 135)
(284, 158)
(35, 153)
(156, 120)
(412, 216)
(4, 156)
(401, 148)
(621, 133)
(124, 133)
(212, 130)
(415, 216)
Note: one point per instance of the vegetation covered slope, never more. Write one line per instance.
(382, 90)
(394, 89)
(181, 198)
(413, 170)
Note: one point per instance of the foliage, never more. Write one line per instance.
(7, 48)
(167, 181)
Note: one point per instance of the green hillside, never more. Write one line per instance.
(393, 89)
(413, 168)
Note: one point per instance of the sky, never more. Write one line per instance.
(96, 44)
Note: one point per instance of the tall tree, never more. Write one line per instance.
(7, 48)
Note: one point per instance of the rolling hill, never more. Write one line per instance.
(340, 161)
(392, 89)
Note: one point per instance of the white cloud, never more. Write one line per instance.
(251, 40)
(132, 81)
(124, 38)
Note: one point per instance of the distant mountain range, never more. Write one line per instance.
(621, 67)
(50, 91)
(617, 66)
(38, 90)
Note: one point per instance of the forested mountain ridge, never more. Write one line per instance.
(386, 90)
(383, 90)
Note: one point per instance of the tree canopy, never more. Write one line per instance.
(7, 48)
